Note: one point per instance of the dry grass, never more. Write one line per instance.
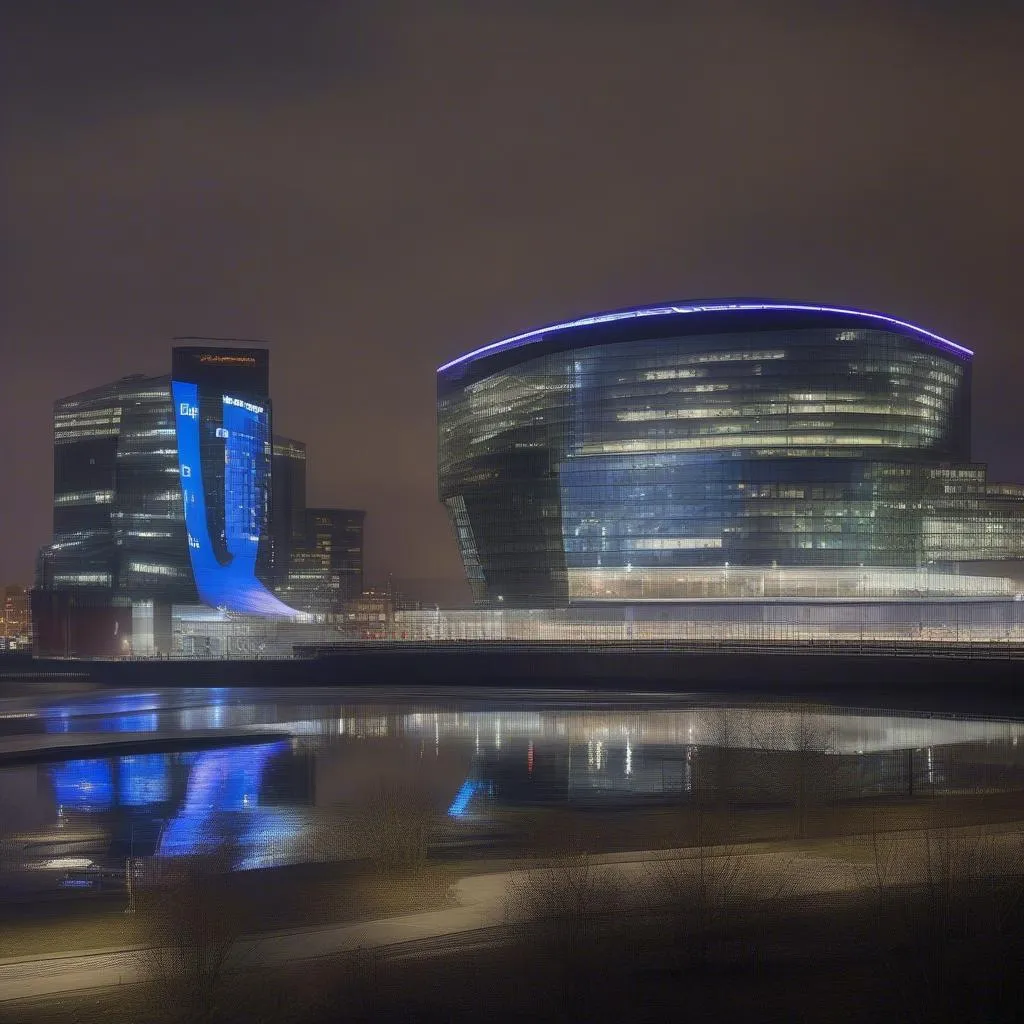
(266, 900)
(809, 963)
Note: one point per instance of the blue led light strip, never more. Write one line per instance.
(633, 314)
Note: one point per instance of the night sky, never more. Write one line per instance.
(377, 187)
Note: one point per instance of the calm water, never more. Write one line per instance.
(284, 774)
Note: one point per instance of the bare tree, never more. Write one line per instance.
(801, 736)
(192, 931)
(718, 731)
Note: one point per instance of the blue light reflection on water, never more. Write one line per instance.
(530, 757)
(122, 713)
(222, 799)
(83, 785)
(460, 805)
(121, 723)
(143, 779)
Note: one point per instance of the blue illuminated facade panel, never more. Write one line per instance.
(766, 438)
(224, 529)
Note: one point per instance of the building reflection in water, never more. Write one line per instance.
(221, 803)
(84, 785)
(263, 797)
(143, 779)
(175, 804)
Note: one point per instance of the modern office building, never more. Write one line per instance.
(730, 450)
(162, 498)
(326, 567)
(288, 504)
(338, 534)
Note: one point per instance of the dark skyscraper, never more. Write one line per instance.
(338, 534)
(118, 526)
(288, 503)
(162, 496)
(117, 507)
(327, 566)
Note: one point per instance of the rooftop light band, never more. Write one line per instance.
(737, 307)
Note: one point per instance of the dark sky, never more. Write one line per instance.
(376, 187)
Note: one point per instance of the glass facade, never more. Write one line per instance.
(162, 496)
(224, 459)
(622, 458)
(338, 534)
(118, 524)
(288, 504)
(326, 571)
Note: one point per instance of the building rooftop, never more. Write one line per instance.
(715, 315)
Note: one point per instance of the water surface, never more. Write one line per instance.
(297, 768)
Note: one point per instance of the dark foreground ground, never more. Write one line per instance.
(850, 960)
(944, 947)
(319, 894)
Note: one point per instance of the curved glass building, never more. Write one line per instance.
(721, 449)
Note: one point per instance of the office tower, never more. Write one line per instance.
(288, 504)
(327, 567)
(737, 449)
(162, 492)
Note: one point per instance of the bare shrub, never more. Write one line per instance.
(948, 911)
(191, 931)
(710, 890)
(559, 918)
(559, 898)
(695, 895)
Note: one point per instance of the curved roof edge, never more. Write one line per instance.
(711, 306)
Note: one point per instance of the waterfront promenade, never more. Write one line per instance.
(787, 871)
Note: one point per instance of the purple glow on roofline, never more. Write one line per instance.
(632, 314)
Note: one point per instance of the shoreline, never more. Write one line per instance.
(947, 680)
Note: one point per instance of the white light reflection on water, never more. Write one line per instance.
(556, 752)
